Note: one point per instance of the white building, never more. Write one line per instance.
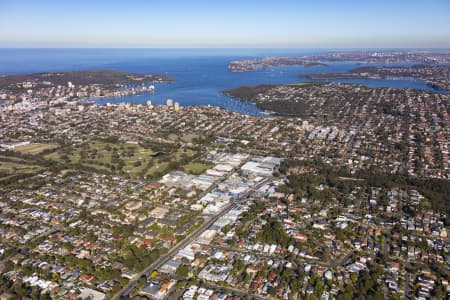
(91, 294)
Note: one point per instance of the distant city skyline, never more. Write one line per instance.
(225, 24)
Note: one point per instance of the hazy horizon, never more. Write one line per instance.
(232, 24)
(238, 48)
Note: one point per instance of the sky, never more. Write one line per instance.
(225, 23)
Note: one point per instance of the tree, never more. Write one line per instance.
(182, 271)
(35, 292)
(45, 296)
(56, 277)
(141, 282)
(19, 290)
(273, 233)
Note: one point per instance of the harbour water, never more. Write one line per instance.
(200, 74)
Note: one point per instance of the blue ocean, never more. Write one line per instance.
(200, 74)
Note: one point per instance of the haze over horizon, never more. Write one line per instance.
(234, 24)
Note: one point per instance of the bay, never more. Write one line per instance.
(200, 74)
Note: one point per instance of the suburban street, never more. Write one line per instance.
(209, 220)
(164, 258)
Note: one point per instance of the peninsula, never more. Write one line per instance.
(266, 62)
(363, 57)
(25, 90)
(437, 77)
(101, 77)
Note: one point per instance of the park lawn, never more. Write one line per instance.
(9, 169)
(137, 160)
(18, 160)
(179, 152)
(196, 168)
(34, 148)
(56, 156)
(160, 166)
(52, 156)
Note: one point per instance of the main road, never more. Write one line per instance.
(166, 257)
(125, 291)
